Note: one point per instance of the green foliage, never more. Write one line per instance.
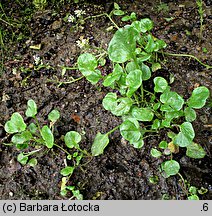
(31, 108)
(54, 115)
(47, 136)
(198, 97)
(195, 151)
(15, 124)
(87, 64)
(155, 153)
(33, 136)
(99, 144)
(171, 167)
(72, 139)
(185, 136)
(40, 4)
(133, 50)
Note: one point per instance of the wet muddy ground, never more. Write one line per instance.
(122, 172)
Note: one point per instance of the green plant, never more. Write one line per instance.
(162, 7)
(134, 52)
(40, 4)
(33, 136)
(191, 192)
(201, 13)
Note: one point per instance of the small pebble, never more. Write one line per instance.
(183, 49)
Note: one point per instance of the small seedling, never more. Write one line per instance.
(201, 13)
(33, 135)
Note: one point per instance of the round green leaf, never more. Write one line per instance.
(146, 25)
(171, 167)
(22, 159)
(123, 44)
(198, 97)
(138, 144)
(87, 62)
(195, 151)
(163, 145)
(32, 162)
(193, 190)
(160, 84)
(15, 124)
(54, 115)
(47, 136)
(190, 114)
(130, 130)
(110, 101)
(150, 46)
(123, 107)
(31, 108)
(72, 139)
(131, 66)
(193, 197)
(67, 171)
(142, 114)
(186, 136)
(172, 99)
(155, 153)
(99, 144)
(21, 137)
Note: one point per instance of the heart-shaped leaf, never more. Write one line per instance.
(99, 144)
(16, 124)
(146, 72)
(54, 115)
(160, 84)
(186, 135)
(31, 108)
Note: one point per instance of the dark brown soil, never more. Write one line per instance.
(122, 172)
